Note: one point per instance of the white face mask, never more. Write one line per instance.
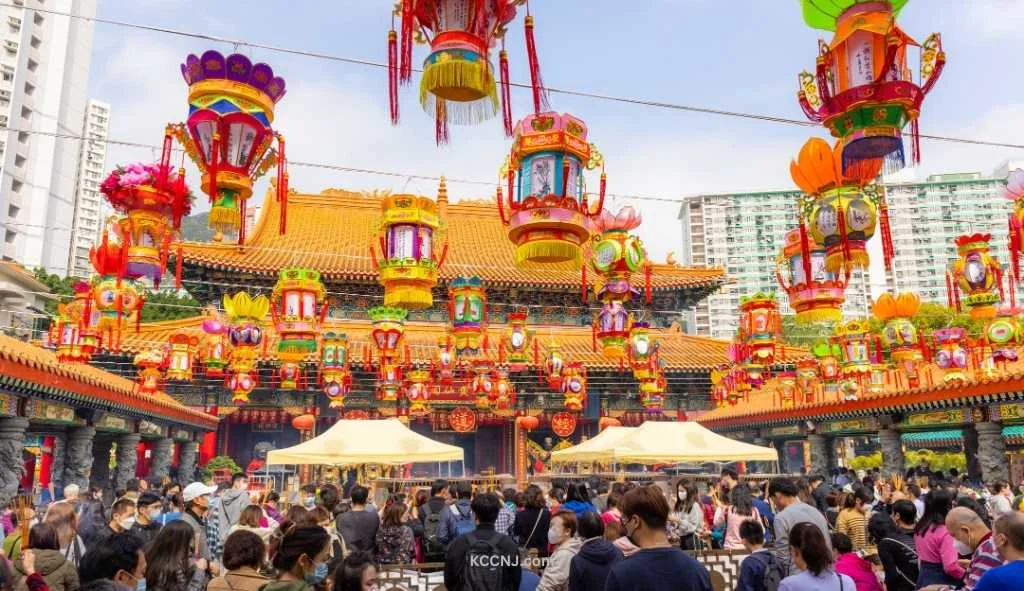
(126, 523)
(554, 536)
(962, 548)
(681, 495)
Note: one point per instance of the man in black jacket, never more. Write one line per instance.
(483, 558)
(430, 518)
(819, 491)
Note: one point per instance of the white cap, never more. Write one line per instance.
(195, 490)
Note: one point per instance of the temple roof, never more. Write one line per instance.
(26, 365)
(763, 408)
(334, 231)
(680, 352)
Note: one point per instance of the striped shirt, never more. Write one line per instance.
(985, 558)
(854, 524)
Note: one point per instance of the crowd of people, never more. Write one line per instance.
(847, 532)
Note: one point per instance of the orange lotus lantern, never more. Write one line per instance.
(409, 264)
(245, 318)
(815, 294)
(841, 208)
(388, 329)
(574, 386)
(298, 307)
(548, 211)
(467, 308)
(72, 332)
(516, 342)
(149, 363)
(335, 376)
(899, 335)
(863, 90)
(180, 357)
(976, 273)
(418, 392)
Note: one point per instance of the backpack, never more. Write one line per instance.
(483, 565)
(774, 570)
(463, 523)
(431, 520)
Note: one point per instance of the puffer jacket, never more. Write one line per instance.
(556, 574)
(590, 566)
(58, 572)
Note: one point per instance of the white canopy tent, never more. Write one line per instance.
(596, 449)
(349, 443)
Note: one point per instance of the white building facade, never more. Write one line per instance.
(89, 204)
(44, 75)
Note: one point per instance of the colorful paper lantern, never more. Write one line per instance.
(642, 350)
(458, 83)
(228, 133)
(863, 90)
(841, 208)
(517, 340)
(527, 423)
(828, 355)
(652, 393)
(855, 342)
(467, 308)
(787, 391)
(180, 358)
(816, 295)
(298, 307)
(409, 265)
(1015, 192)
(149, 363)
(245, 333)
(899, 335)
(553, 366)
(1004, 334)
(388, 329)
(116, 300)
(215, 349)
(760, 326)
(418, 392)
(807, 379)
(605, 422)
(951, 350)
(976, 273)
(304, 422)
(615, 256)
(548, 211)
(504, 390)
(335, 376)
(574, 386)
(73, 331)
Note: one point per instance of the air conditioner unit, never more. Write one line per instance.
(11, 45)
(15, 21)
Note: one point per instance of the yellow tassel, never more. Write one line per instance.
(410, 298)
(548, 251)
(819, 315)
(859, 259)
(223, 217)
(468, 87)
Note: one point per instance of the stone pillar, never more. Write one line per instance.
(127, 458)
(992, 452)
(78, 459)
(163, 454)
(892, 451)
(58, 453)
(187, 462)
(832, 460)
(970, 435)
(819, 453)
(101, 462)
(760, 467)
(12, 442)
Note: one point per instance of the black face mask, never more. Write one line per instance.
(629, 535)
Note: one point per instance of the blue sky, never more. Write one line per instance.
(742, 55)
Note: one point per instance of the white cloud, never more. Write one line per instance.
(993, 19)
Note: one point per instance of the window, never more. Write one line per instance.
(12, 46)
(32, 65)
(35, 42)
(29, 89)
(38, 18)
(26, 113)
(9, 236)
(16, 184)
(23, 137)
(13, 211)
(19, 160)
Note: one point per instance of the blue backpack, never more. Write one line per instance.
(464, 522)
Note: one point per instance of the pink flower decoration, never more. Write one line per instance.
(626, 220)
(213, 326)
(1015, 185)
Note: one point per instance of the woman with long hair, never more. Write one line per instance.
(687, 517)
(169, 560)
(250, 520)
(853, 518)
(739, 509)
(813, 558)
(934, 545)
(244, 555)
(301, 559)
(395, 541)
(895, 549)
(62, 517)
(530, 526)
(577, 499)
(357, 573)
(60, 574)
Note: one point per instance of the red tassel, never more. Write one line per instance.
(1015, 247)
(565, 179)
(805, 251)
(282, 185)
(601, 194)
(241, 225)
(593, 336)
(393, 74)
(583, 284)
(999, 283)
(506, 91)
(211, 169)
(511, 189)
(949, 291)
(405, 71)
(647, 283)
(888, 252)
(540, 94)
(177, 267)
(915, 142)
(165, 160)
(844, 237)
(440, 123)
(138, 313)
(956, 296)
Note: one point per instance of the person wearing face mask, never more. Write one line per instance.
(562, 536)
(170, 562)
(59, 573)
(122, 519)
(147, 519)
(119, 560)
(935, 548)
(197, 505)
(657, 566)
(357, 573)
(358, 526)
(971, 537)
(309, 496)
(230, 504)
(687, 517)
(301, 559)
(1009, 540)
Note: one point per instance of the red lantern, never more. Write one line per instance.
(304, 422)
(528, 423)
(606, 422)
(418, 392)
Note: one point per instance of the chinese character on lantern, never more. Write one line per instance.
(863, 90)
(467, 308)
(228, 134)
(298, 307)
(976, 273)
(182, 348)
(547, 209)
(245, 319)
(335, 376)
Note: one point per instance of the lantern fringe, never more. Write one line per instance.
(540, 93)
(408, 297)
(553, 251)
(835, 262)
(460, 74)
(393, 68)
(223, 217)
(405, 64)
(506, 92)
(441, 123)
(241, 222)
(819, 315)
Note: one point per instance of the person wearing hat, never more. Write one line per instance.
(197, 507)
